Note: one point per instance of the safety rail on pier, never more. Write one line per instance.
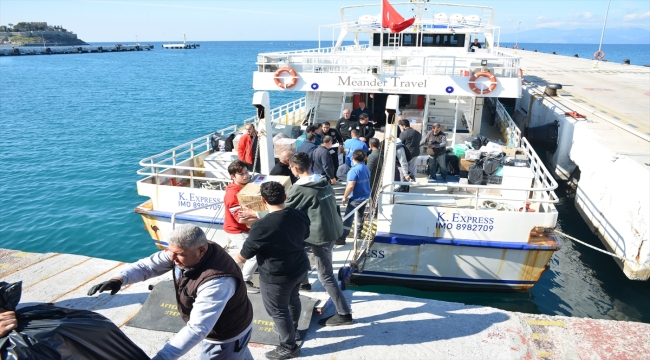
(177, 163)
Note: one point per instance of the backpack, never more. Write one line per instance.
(407, 152)
(451, 161)
(229, 145)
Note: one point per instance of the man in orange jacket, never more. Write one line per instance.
(247, 148)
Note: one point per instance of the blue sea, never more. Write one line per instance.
(74, 128)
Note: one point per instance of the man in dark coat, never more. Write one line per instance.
(282, 167)
(308, 146)
(362, 109)
(411, 139)
(346, 124)
(366, 130)
(322, 160)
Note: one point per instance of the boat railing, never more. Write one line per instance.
(176, 163)
(392, 63)
(356, 216)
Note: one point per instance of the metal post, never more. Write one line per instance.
(517, 41)
(356, 219)
(602, 34)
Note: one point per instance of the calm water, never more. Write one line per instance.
(637, 54)
(74, 128)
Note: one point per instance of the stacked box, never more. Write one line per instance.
(250, 196)
(282, 144)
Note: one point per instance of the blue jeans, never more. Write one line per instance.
(347, 224)
(434, 162)
(234, 350)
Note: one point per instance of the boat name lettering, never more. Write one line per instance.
(458, 218)
(348, 81)
(377, 254)
(196, 201)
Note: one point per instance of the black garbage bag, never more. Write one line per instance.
(478, 141)
(475, 174)
(51, 332)
(492, 164)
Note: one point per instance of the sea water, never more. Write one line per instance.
(73, 129)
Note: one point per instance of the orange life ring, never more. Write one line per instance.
(285, 85)
(521, 75)
(489, 89)
(599, 54)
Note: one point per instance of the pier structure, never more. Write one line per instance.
(385, 326)
(603, 113)
(184, 45)
(69, 49)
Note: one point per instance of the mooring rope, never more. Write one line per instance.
(597, 249)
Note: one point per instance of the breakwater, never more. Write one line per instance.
(75, 49)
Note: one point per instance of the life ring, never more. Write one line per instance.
(521, 75)
(493, 83)
(285, 85)
(599, 54)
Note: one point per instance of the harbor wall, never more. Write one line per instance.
(612, 193)
(38, 33)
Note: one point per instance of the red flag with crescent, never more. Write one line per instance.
(392, 20)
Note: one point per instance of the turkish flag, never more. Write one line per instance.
(393, 20)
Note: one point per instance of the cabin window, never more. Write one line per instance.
(428, 40)
(443, 40)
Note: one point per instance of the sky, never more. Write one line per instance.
(236, 20)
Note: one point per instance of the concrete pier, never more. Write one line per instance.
(385, 327)
(69, 49)
(606, 145)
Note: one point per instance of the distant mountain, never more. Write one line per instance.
(580, 36)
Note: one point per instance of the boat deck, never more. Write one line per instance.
(386, 326)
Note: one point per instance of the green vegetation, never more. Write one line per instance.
(31, 26)
(25, 39)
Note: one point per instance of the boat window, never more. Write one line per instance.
(443, 40)
(428, 40)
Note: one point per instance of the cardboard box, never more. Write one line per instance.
(282, 144)
(509, 150)
(465, 164)
(250, 196)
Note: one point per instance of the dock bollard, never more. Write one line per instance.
(576, 55)
(554, 53)
(626, 61)
(551, 89)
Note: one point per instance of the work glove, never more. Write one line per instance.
(113, 285)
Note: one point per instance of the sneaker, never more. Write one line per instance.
(336, 320)
(282, 352)
(251, 288)
(305, 287)
(339, 242)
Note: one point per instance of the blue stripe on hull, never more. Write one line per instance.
(443, 278)
(412, 240)
(198, 219)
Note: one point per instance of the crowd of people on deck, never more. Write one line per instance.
(211, 289)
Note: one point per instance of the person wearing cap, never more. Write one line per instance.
(366, 130)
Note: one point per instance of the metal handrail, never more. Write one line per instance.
(356, 217)
(168, 159)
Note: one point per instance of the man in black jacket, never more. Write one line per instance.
(282, 167)
(346, 124)
(436, 141)
(322, 160)
(366, 130)
(411, 139)
(282, 264)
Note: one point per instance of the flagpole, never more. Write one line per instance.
(381, 39)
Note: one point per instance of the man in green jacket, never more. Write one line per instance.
(314, 195)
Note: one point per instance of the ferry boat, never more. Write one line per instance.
(438, 234)
(184, 45)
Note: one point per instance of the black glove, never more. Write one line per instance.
(113, 285)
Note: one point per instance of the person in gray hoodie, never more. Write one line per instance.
(314, 195)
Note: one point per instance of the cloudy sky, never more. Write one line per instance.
(97, 21)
